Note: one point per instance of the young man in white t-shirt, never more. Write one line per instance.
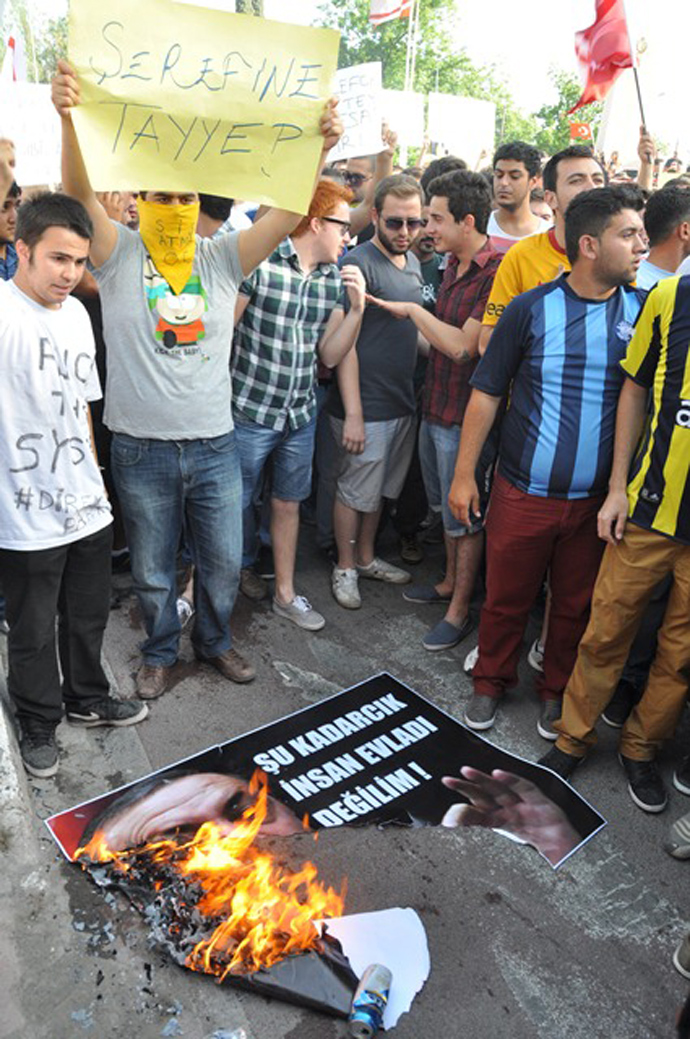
(55, 519)
(516, 171)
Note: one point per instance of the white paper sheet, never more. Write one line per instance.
(394, 937)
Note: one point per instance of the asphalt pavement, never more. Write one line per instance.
(517, 949)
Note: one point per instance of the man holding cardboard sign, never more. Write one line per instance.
(168, 303)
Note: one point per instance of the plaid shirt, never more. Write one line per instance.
(274, 354)
(447, 384)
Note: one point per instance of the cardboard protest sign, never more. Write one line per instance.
(358, 89)
(403, 110)
(176, 97)
(378, 753)
(463, 126)
(28, 105)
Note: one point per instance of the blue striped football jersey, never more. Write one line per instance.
(558, 356)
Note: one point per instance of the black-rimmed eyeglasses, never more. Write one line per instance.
(344, 224)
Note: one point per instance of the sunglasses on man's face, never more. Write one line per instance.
(355, 180)
(396, 223)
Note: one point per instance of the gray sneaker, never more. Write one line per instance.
(300, 612)
(681, 957)
(251, 585)
(345, 587)
(111, 712)
(551, 710)
(678, 841)
(39, 753)
(380, 570)
(480, 712)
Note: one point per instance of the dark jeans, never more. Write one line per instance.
(72, 582)
(163, 485)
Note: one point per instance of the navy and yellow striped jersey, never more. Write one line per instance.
(559, 355)
(658, 358)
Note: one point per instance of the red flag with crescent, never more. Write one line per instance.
(603, 51)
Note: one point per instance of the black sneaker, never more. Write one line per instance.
(645, 785)
(681, 777)
(410, 551)
(110, 711)
(561, 763)
(621, 704)
(39, 753)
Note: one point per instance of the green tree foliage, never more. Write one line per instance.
(254, 7)
(51, 44)
(440, 66)
(553, 120)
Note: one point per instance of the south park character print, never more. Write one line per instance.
(179, 317)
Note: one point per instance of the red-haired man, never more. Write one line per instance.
(288, 310)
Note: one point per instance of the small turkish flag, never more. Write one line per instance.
(603, 51)
(581, 132)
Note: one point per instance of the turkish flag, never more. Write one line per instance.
(386, 10)
(581, 132)
(603, 51)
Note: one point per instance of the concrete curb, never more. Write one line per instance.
(17, 804)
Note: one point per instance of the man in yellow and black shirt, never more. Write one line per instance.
(647, 527)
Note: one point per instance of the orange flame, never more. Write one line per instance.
(266, 911)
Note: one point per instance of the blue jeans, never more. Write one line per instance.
(291, 451)
(163, 484)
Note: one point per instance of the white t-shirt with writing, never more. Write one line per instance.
(51, 491)
(502, 241)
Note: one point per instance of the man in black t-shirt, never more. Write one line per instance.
(372, 404)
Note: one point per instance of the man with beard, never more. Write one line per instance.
(372, 406)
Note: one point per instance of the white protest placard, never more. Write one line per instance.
(359, 91)
(28, 118)
(403, 110)
(463, 126)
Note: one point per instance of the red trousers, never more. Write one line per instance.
(526, 536)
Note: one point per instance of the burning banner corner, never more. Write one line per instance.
(184, 843)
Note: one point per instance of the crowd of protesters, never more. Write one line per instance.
(503, 354)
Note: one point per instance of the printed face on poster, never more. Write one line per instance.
(176, 97)
(358, 90)
(378, 753)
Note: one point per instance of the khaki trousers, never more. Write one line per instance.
(628, 575)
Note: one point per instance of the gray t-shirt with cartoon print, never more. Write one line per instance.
(168, 356)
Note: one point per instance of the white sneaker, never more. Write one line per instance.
(470, 660)
(301, 612)
(185, 611)
(345, 587)
(380, 570)
(535, 657)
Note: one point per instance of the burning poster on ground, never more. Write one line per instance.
(185, 843)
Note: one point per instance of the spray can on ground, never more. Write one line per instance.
(370, 1001)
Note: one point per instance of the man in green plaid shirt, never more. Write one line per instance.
(290, 311)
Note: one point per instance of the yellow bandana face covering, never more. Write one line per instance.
(168, 234)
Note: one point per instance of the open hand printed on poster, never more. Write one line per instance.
(182, 98)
